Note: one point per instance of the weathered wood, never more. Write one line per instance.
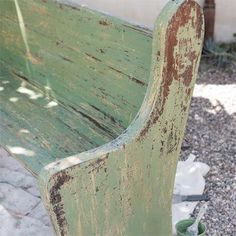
(85, 71)
(71, 84)
(125, 187)
(84, 56)
(52, 133)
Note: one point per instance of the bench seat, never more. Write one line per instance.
(67, 90)
(39, 131)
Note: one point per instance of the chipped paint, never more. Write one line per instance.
(56, 200)
(153, 140)
(118, 183)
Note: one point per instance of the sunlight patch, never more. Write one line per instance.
(51, 104)
(24, 131)
(22, 27)
(219, 95)
(5, 82)
(21, 150)
(14, 99)
(29, 92)
(47, 88)
(64, 164)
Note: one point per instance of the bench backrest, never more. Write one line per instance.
(95, 64)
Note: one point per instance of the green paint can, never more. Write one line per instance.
(182, 226)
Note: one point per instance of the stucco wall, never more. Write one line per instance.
(144, 12)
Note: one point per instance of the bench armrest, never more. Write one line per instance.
(125, 187)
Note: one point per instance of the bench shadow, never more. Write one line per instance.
(211, 136)
(209, 128)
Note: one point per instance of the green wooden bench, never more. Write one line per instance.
(96, 109)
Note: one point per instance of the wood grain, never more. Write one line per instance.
(85, 61)
(125, 187)
(97, 108)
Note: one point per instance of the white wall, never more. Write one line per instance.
(144, 12)
(225, 20)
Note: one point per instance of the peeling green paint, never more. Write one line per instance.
(86, 69)
(123, 187)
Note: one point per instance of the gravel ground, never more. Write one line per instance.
(211, 136)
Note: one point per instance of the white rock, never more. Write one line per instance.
(40, 213)
(6, 161)
(26, 226)
(17, 200)
(8, 223)
(29, 226)
(21, 179)
(17, 178)
(34, 190)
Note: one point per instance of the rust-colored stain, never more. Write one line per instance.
(104, 22)
(173, 62)
(56, 199)
(39, 10)
(32, 59)
(97, 165)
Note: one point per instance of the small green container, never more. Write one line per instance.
(182, 226)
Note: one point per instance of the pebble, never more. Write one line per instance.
(213, 140)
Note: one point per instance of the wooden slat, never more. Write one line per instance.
(85, 61)
(85, 57)
(52, 133)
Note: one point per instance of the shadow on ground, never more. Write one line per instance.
(211, 136)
